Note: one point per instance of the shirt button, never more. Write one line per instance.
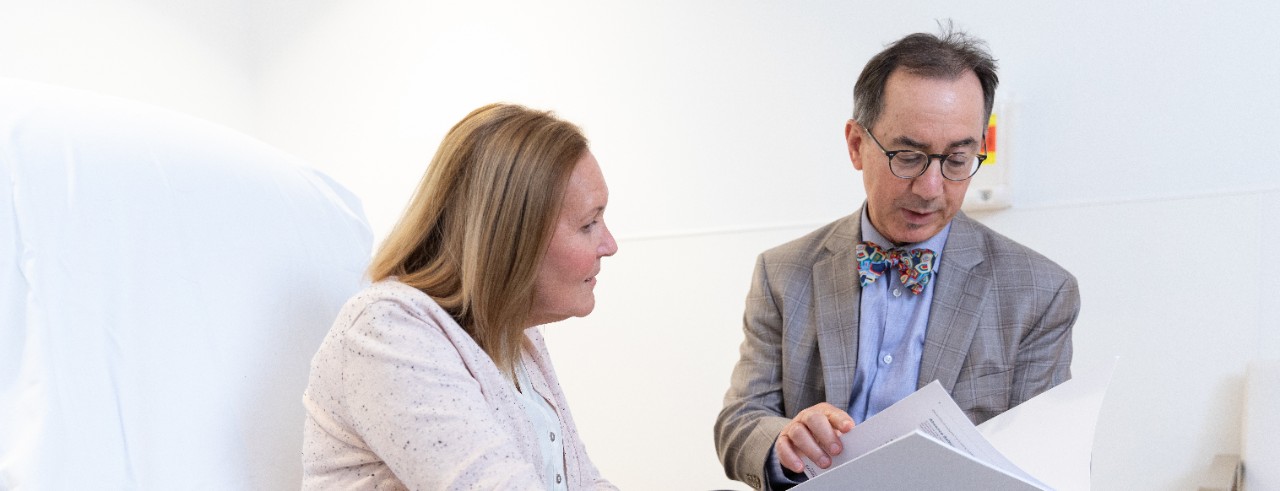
(553, 436)
(897, 292)
(887, 359)
(557, 478)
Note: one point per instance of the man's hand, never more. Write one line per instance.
(814, 433)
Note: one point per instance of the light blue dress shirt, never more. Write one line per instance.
(891, 328)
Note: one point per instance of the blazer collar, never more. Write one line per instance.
(959, 292)
(837, 298)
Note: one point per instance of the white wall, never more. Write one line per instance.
(1134, 130)
(186, 55)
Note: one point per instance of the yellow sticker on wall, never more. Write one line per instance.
(991, 141)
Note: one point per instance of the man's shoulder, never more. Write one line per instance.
(1004, 252)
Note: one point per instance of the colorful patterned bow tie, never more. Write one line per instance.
(915, 267)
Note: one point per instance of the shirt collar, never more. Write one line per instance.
(935, 243)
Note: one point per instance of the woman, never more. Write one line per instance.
(431, 378)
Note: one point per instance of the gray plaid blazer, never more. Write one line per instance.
(999, 333)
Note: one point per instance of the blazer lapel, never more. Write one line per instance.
(957, 305)
(837, 296)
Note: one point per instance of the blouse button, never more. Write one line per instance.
(553, 436)
(557, 478)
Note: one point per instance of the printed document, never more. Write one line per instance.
(925, 441)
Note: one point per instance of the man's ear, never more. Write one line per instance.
(853, 135)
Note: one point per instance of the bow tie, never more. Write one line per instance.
(915, 267)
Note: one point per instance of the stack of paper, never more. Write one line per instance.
(926, 442)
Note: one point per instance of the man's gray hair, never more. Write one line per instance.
(948, 55)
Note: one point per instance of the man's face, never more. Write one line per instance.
(935, 116)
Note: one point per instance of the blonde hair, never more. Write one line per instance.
(478, 225)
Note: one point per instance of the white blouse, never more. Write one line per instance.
(546, 425)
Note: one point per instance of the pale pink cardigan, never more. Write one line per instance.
(400, 397)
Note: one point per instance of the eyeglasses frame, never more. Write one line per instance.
(982, 157)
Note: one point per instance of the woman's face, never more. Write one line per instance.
(567, 277)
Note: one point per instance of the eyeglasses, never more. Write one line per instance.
(910, 164)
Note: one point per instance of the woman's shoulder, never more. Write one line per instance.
(390, 303)
(394, 294)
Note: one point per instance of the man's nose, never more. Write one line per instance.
(930, 184)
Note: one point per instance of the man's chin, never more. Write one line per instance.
(911, 233)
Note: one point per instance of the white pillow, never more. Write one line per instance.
(163, 284)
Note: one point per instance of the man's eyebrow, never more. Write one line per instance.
(906, 141)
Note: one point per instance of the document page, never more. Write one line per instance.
(1051, 435)
(931, 411)
(916, 462)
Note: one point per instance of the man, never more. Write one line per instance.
(851, 318)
